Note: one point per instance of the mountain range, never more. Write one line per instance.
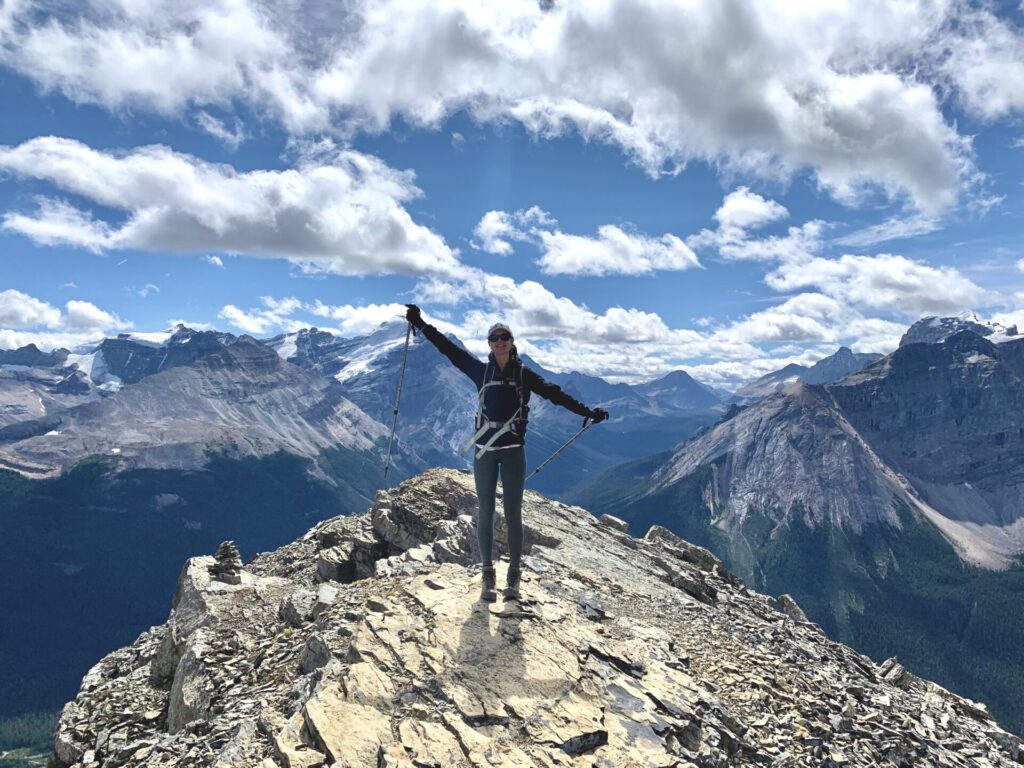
(888, 503)
(882, 493)
(121, 458)
(841, 363)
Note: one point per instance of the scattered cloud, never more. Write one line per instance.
(57, 223)
(355, 321)
(19, 310)
(232, 138)
(497, 228)
(895, 228)
(25, 319)
(341, 214)
(986, 64)
(743, 210)
(850, 92)
(147, 289)
(274, 315)
(884, 282)
(613, 252)
(217, 261)
(86, 316)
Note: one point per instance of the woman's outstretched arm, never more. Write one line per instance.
(460, 358)
(535, 383)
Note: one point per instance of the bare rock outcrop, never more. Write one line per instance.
(621, 652)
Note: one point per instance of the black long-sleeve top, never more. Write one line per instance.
(500, 403)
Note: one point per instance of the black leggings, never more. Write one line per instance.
(511, 462)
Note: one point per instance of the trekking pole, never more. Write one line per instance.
(587, 424)
(398, 397)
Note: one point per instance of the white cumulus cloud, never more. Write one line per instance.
(19, 310)
(274, 315)
(356, 320)
(497, 228)
(340, 214)
(742, 209)
(883, 282)
(86, 316)
(25, 319)
(613, 252)
(850, 91)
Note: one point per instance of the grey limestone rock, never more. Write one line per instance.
(297, 608)
(789, 607)
(615, 655)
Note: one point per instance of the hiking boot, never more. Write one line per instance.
(488, 581)
(512, 583)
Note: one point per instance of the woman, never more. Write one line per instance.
(504, 386)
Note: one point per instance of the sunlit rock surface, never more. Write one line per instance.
(621, 652)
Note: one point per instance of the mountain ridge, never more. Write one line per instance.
(370, 649)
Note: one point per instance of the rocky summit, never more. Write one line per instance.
(364, 644)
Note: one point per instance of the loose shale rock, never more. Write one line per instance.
(363, 644)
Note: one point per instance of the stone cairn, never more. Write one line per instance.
(228, 565)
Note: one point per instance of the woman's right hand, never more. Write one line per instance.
(412, 314)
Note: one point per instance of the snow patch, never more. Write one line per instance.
(115, 450)
(153, 339)
(364, 363)
(287, 348)
(52, 433)
(85, 362)
(977, 357)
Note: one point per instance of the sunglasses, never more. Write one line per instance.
(500, 337)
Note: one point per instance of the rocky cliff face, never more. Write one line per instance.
(950, 418)
(30, 392)
(362, 644)
(793, 454)
(238, 399)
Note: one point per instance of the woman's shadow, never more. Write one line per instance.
(503, 658)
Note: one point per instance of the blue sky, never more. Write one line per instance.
(634, 185)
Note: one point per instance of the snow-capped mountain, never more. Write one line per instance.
(129, 357)
(931, 330)
(35, 383)
(233, 397)
(439, 403)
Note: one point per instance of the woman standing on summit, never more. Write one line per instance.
(504, 386)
